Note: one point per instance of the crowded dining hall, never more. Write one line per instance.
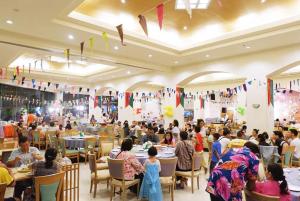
(158, 100)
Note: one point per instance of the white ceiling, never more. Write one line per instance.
(41, 29)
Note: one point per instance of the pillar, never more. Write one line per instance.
(259, 113)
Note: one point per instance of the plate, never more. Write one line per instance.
(169, 152)
(139, 155)
(25, 170)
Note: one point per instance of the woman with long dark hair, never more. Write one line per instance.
(168, 139)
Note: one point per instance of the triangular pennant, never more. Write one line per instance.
(91, 42)
(105, 39)
(160, 14)
(143, 23)
(121, 34)
(81, 49)
(188, 8)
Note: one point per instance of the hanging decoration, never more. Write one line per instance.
(168, 111)
(188, 7)
(91, 42)
(127, 98)
(160, 14)
(131, 100)
(81, 49)
(270, 88)
(67, 55)
(143, 23)
(33, 83)
(179, 96)
(241, 110)
(105, 39)
(121, 34)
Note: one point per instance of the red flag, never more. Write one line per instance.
(121, 34)
(127, 98)
(177, 96)
(18, 70)
(160, 14)
(96, 101)
(143, 23)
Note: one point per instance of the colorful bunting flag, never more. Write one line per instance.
(131, 101)
(188, 8)
(179, 96)
(92, 41)
(245, 87)
(160, 14)
(67, 55)
(81, 49)
(121, 34)
(143, 23)
(270, 92)
(127, 98)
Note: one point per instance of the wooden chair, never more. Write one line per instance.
(167, 173)
(48, 136)
(89, 145)
(9, 145)
(37, 140)
(254, 196)
(105, 147)
(97, 175)
(209, 147)
(116, 171)
(71, 182)
(70, 153)
(2, 191)
(195, 173)
(49, 186)
(287, 157)
(5, 155)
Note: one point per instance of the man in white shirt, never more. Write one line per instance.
(295, 142)
(224, 139)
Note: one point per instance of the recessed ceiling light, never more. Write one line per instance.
(207, 55)
(247, 46)
(123, 1)
(70, 36)
(150, 55)
(263, 1)
(175, 62)
(9, 22)
(128, 72)
(185, 28)
(81, 62)
(116, 47)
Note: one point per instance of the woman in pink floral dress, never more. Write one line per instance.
(233, 171)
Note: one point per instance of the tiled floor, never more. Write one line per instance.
(103, 193)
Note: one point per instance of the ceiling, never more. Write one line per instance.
(41, 29)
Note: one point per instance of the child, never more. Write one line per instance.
(275, 185)
(215, 152)
(151, 188)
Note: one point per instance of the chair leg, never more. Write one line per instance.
(198, 182)
(138, 190)
(112, 190)
(91, 186)
(95, 188)
(123, 194)
(172, 194)
(85, 159)
(192, 184)
(107, 182)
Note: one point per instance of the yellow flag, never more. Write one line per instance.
(105, 39)
(91, 42)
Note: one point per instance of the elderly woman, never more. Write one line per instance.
(234, 170)
(133, 168)
(184, 151)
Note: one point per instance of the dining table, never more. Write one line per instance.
(21, 174)
(142, 153)
(77, 142)
(292, 176)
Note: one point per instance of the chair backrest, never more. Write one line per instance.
(196, 161)
(2, 191)
(5, 156)
(9, 145)
(92, 163)
(168, 166)
(71, 182)
(49, 188)
(288, 156)
(106, 148)
(254, 196)
(90, 143)
(36, 136)
(116, 168)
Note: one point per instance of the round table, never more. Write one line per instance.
(142, 155)
(293, 179)
(76, 142)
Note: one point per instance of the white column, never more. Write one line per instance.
(261, 118)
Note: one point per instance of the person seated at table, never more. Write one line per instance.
(278, 140)
(155, 127)
(126, 129)
(150, 136)
(295, 142)
(60, 131)
(52, 126)
(133, 169)
(262, 139)
(254, 136)
(24, 155)
(275, 185)
(238, 141)
(184, 151)
(234, 170)
(43, 127)
(168, 140)
(93, 120)
(6, 177)
(68, 126)
(161, 129)
(75, 125)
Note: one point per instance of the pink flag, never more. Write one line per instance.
(160, 14)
